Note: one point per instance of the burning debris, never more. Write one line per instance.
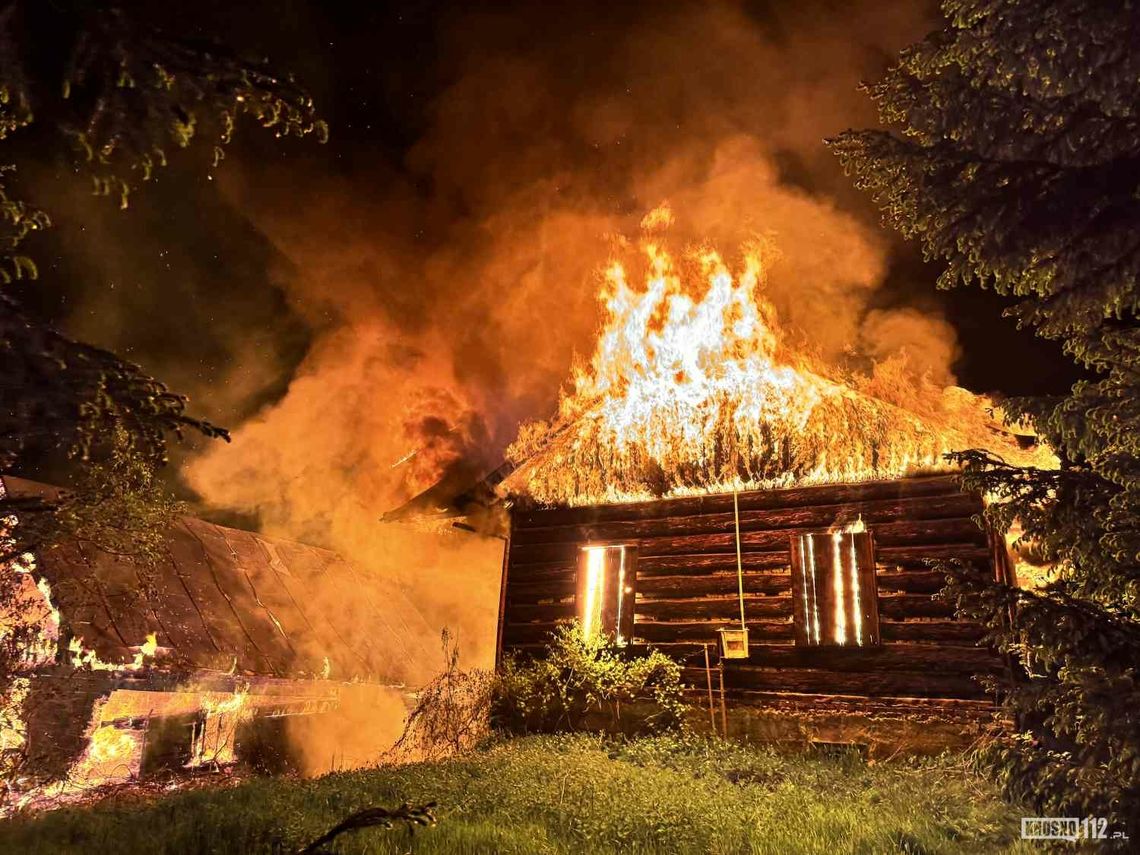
(236, 639)
(693, 388)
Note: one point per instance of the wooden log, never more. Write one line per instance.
(906, 532)
(954, 708)
(658, 587)
(901, 533)
(715, 608)
(822, 494)
(872, 683)
(917, 556)
(884, 657)
(911, 581)
(706, 631)
(667, 565)
(531, 572)
(893, 606)
(527, 633)
(949, 506)
(534, 591)
(931, 631)
(721, 562)
(539, 612)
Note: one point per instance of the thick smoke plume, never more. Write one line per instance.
(448, 296)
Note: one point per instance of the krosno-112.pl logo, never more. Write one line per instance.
(1067, 828)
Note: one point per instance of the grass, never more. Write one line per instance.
(572, 794)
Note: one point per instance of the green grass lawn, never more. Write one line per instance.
(573, 794)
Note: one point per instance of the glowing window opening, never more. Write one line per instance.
(606, 591)
(835, 588)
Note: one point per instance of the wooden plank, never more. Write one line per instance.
(931, 631)
(821, 494)
(926, 683)
(904, 533)
(949, 506)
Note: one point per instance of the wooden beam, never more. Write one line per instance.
(927, 683)
(705, 630)
(886, 657)
(894, 606)
(961, 530)
(940, 631)
(949, 506)
(822, 494)
(959, 708)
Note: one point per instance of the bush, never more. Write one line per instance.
(453, 711)
(589, 684)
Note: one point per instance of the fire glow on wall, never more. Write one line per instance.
(835, 600)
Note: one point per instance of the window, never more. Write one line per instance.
(835, 598)
(607, 578)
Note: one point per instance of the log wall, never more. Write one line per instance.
(687, 584)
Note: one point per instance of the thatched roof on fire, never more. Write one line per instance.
(234, 601)
(846, 435)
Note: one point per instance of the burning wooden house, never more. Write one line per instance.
(210, 655)
(704, 488)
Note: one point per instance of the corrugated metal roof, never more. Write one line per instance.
(232, 600)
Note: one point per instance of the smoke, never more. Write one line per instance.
(447, 295)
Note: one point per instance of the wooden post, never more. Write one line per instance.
(723, 711)
(503, 595)
(708, 680)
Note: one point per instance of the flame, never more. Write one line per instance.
(216, 738)
(840, 606)
(83, 658)
(692, 388)
(595, 590)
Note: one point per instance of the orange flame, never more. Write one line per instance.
(692, 388)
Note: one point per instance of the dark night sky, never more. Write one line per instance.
(187, 282)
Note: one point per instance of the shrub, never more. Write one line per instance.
(588, 684)
(452, 713)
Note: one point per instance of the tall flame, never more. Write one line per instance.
(692, 388)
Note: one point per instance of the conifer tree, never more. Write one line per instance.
(103, 87)
(1014, 158)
